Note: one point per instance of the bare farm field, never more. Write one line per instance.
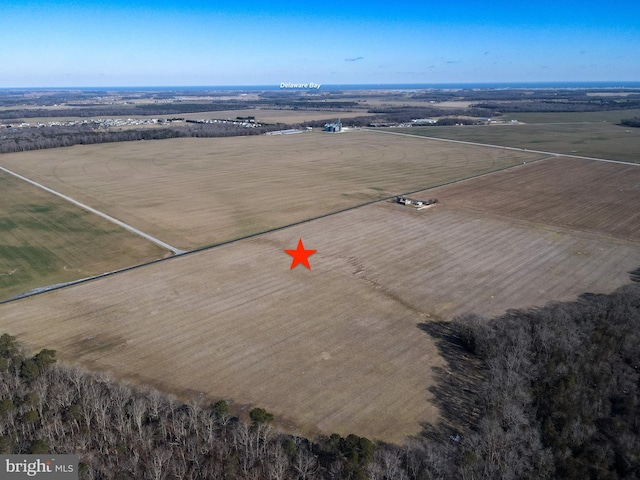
(577, 194)
(587, 139)
(275, 116)
(196, 192)
(45, 240)
(606, 116)
(337, 348)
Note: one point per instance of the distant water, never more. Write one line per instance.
(369, 86)
(445, 86)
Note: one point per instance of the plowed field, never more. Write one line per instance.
(196, 192)
(334, 348)
(593, 138)
(578, 194)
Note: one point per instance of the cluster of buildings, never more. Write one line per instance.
(421, 122)
(333, 127)
(419, 204)
(122, 122)
(244, 122)
(96, 123)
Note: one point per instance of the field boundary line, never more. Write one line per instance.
(174, 250)
(489, 145)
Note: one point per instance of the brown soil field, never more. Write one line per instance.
(587, 139)
(45, 240)
(610, 94)
(606, 116)
(578, 194)
(383, 100)
(275, 116)
(196, 192)
(337, 348)
(34, 107)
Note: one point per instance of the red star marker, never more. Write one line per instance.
(300, 256)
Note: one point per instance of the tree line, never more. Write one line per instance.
(525, 94)
(587, 105)
(630, 122)
(24, 139)
(551, 392)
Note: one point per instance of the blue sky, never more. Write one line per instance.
(200, 42)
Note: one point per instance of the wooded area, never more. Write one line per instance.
(24, 139)
(560, 396)
(547, 393)
(630, 122)
(557, 105)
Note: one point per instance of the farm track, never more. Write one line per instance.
(158, 242)
(46, 240)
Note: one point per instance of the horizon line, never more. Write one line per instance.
(587, 84)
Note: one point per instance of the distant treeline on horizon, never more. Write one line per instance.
(367, 86)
